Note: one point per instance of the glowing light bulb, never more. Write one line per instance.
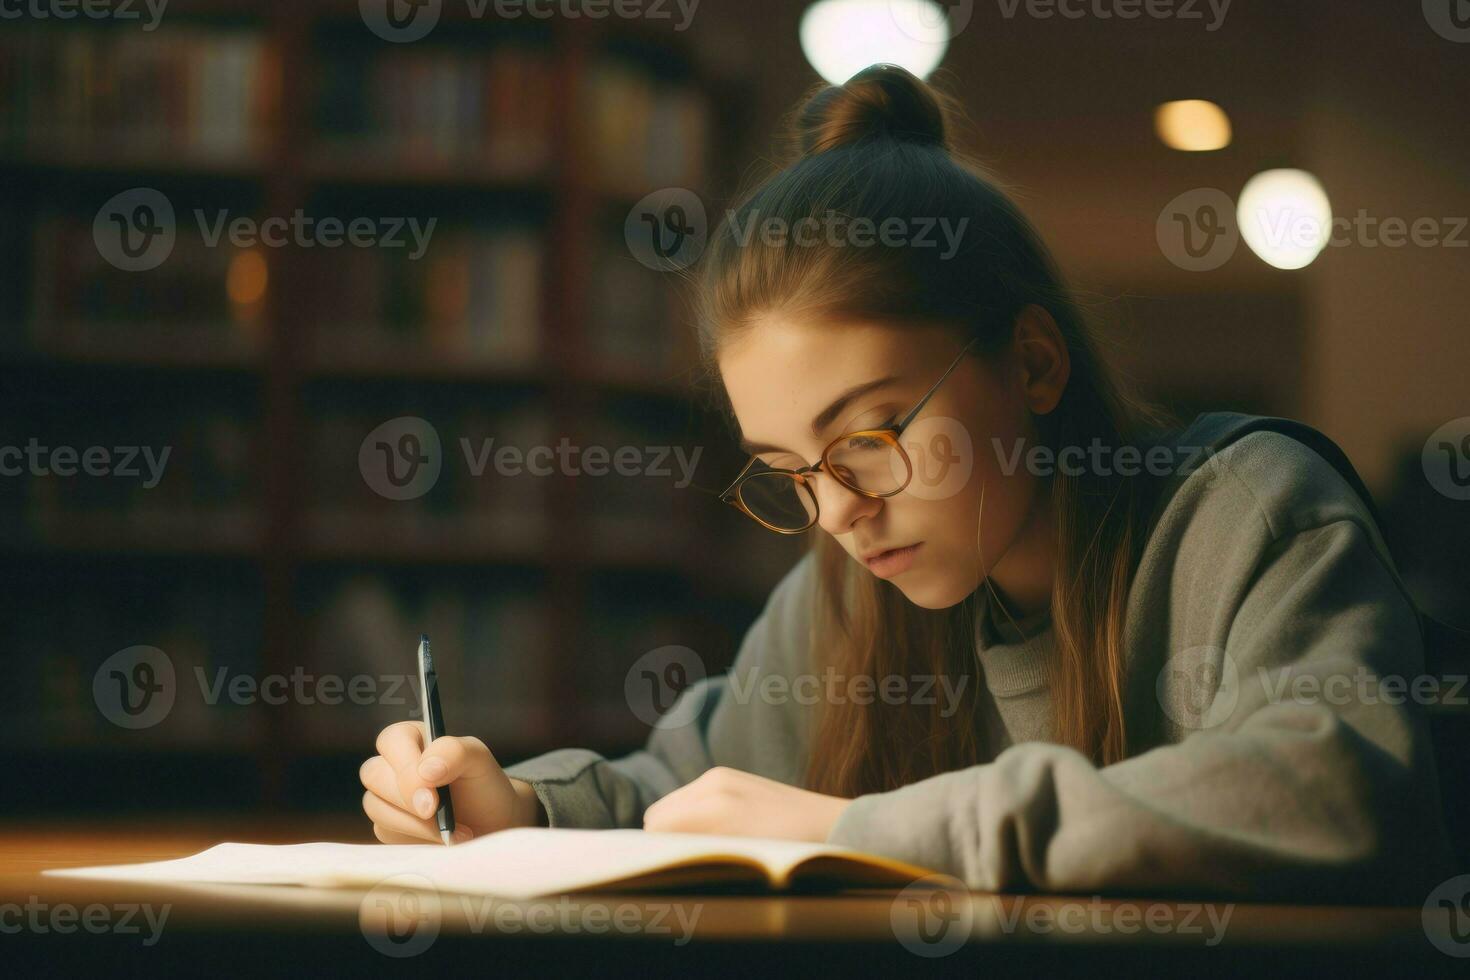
(842, 37)
(1193, 125)
(1284, 216)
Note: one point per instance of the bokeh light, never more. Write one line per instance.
(1285, 217)
(1193, 125)
(842, 37)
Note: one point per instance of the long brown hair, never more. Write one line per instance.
(878, 147)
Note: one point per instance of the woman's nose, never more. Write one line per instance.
(839, 507)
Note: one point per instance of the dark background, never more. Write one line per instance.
(263, 551)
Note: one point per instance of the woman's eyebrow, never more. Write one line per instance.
(825, 417)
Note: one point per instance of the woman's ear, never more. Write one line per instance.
(1041, 354)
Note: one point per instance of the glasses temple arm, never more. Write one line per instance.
(904, 422)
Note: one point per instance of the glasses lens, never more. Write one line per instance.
(779, 500)
(870, 462)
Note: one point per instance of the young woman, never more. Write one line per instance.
(1042, 681)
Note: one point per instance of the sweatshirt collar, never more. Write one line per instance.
(1013, 657)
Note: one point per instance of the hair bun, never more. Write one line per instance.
(879, 102)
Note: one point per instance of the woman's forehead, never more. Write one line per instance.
(782, 373)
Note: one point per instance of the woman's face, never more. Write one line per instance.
(797, 385)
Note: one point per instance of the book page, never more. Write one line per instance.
(520, 863)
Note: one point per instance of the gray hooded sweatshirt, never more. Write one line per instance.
(1278, 747)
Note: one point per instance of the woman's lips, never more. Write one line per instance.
(893, 562)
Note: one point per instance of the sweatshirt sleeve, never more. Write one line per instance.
(1305, 773)
(722, 725)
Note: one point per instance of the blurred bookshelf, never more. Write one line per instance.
(262, 550)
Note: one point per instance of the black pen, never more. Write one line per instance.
(434, 728)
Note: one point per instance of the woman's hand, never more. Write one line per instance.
(728, 801)
(402, 783)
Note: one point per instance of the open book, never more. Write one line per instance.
(528, 862)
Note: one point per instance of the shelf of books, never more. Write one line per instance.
(370, 245)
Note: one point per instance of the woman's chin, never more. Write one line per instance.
(932, 591)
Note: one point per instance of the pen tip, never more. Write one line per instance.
(446, 836)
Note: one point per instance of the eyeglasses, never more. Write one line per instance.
(870, 462)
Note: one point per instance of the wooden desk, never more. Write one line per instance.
(67, 925)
